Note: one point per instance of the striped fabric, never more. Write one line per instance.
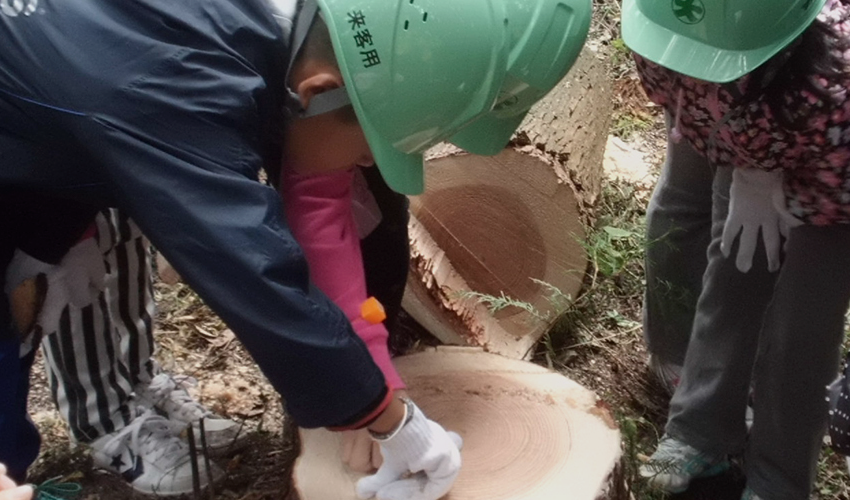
(102, 351)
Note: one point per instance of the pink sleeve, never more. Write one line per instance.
(318, 211)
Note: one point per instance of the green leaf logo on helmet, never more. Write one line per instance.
(714, 40)
(689, 11)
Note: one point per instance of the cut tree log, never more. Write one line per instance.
(511, 225)
(529, 433)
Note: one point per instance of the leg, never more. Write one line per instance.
(129, 287)
(101, 362)
(707, 411)
(130, 294)
(89, 359)
(19, 439)
(44, 228)
(678, 229)
(798, 356)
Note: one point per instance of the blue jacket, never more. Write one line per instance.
(168, 110)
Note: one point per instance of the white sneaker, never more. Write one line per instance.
(668, 374)
(674, 464)
(149, 455)
(168, 395)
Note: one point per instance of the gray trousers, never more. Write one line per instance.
(779, 331)
(678, 226)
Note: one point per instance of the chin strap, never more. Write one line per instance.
(327, 102)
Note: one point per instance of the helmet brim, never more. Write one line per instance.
(402, 172)
(488, 135)
(691, 57)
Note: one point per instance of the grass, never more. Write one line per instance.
(627, 124)
(602, 325)
(614, 280)
(604, 321)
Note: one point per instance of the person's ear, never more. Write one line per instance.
(317, 84)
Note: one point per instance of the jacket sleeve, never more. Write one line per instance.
(318, 209)
(179, 147)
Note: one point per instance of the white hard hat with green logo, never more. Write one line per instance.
(418, 71)
(714, 40)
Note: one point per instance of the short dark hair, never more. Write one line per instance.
(319, 47)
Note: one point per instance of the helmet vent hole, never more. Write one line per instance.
(425, 17)
(406, 25)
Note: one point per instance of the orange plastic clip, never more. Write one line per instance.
(372, 311)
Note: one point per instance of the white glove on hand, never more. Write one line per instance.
(422, 447)
(76, 280)
(85, 272)
(752, 207)
(362, 454)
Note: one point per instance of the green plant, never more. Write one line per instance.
(627, 124)
(832, 481)
(497, 303)
(620, 53)
(635, 451)
(615, 252)
(611, 249)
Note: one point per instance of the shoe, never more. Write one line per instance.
(668, 374)
(749, 495)
(169, 396)
(148, 454)
(674, 464)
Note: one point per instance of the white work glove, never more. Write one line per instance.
(421, 448)
(361, 453)
(754, 197)
(10, 491)
(76, 280)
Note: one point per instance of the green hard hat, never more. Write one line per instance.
(714, 40)
(417, 71)
(546, 38)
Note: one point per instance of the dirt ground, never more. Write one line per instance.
(601, 347)
(605, 353)
(193, 341)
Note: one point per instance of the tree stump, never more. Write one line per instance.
(529, 433)
(511, 224)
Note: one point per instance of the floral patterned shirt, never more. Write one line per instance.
(815, 158)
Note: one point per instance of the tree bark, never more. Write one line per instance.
(511, 226)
